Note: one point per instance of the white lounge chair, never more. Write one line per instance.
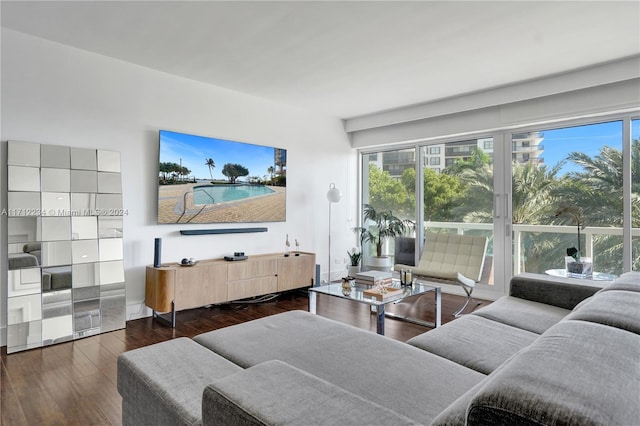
(451, 258)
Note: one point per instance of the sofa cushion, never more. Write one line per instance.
(358, 361)
(614, 308)
(276, 393)
(456, 413)
(162, 384)
(475, 342)
(577, 373)
(556, 291)
(629, 281)
(525, 314)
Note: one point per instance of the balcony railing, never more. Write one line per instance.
(589, 234)
(520, 253)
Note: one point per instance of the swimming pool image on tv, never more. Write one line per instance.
(214, 194)
(209, 180)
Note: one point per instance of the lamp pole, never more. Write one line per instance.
(333, 196)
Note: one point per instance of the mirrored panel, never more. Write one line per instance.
(85, 275)
(57, 157)
(84, 228)
(24, 309)
(110, 249)
(55, 180)
(23, 229)
(108, 161)
(85, 251)
(86, 311)
(57, 330)
(109, 204)
(56, 253)
(111, 272)
(83, 204)
(23, 178)
(23, 154)
(84, 181)
(28, 255)
(109, 183)
(23, 204)
(56, 204)
(65, 277)
(23, 336)
(57, 278)
(84, 159)
(24, 281)
(56, 304)
(110, 226)
(112, 306)
(56, 228)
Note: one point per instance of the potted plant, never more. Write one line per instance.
(354, 258)
(385, 225)
(576, 265)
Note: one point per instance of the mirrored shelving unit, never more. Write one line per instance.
(65, 257)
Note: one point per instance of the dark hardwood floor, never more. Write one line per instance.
(74, 383)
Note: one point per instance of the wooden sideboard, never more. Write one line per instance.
(173, 287)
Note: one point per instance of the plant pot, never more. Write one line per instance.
(353, 270)
(382, 263)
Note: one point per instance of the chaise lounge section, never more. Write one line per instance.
(555, 351)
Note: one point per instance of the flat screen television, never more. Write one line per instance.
(208, 180)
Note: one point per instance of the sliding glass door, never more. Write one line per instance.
(457, 187)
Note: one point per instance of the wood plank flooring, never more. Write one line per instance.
(74, 383)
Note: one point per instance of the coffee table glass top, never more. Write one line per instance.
(357, 292)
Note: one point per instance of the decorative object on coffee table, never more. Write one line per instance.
(382, 292)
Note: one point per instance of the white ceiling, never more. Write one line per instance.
(345, 58)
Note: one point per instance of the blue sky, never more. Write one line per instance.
(195, 150)
(587, 139)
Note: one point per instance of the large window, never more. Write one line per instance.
(567, 193)
(533, 193)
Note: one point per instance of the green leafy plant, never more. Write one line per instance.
(385, 225)
(354, 256)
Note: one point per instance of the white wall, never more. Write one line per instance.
(54, 94)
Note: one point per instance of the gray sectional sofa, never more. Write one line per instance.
(553, 352)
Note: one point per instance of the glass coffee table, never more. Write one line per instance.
(356, 294)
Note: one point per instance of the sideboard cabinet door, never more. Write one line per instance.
(200, 285)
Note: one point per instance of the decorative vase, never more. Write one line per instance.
(353, 270)
(582, 268)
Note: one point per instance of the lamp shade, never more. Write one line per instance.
(334, 194)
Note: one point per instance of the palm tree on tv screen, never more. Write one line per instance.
(211, 164)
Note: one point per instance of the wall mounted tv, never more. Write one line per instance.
(209, 180)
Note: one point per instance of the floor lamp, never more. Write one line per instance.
(333, 195)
